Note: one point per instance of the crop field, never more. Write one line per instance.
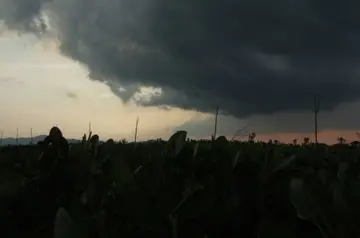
(179, 189)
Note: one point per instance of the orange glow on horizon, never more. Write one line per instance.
(327, 136)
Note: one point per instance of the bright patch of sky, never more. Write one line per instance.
(39, 88)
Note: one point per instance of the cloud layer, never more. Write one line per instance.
(250, 57)
(343, 118)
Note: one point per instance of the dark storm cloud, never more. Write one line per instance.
(344, 117)
(23, 14)
(250, 57)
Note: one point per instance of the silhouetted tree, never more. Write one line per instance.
(341, 140)
(252, 136)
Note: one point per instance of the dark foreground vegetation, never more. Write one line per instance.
(178, 189)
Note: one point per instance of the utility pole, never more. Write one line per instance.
(31, 137)
(316, 111)
(216, 122)
(136, 129)
(17, 136)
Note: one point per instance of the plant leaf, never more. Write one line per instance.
(284, 164)
(64, 226)
(221, 141)
(196, 149)
(322, 175)
(120, 171)
(302, 200)
(341, 172)
(235, 160)
(176, 142)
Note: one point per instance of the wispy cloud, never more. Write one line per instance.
(6, 79)
(72, 95)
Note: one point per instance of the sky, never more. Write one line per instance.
(68, 62)
(40, 88)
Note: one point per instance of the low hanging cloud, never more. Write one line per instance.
(252, 58)
(343, 118)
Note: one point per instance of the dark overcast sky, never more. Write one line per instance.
(254, 58)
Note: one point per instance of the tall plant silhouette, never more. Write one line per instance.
(316, 111)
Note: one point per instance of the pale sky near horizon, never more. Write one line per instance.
(40, 88)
